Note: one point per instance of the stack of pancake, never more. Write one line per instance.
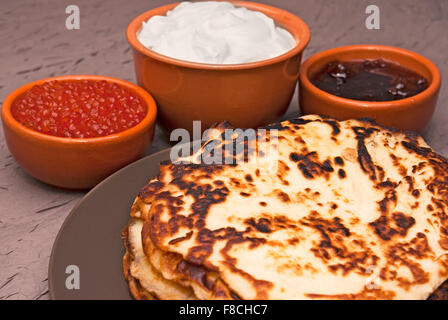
(313, 208)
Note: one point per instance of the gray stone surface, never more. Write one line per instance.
(36, 44)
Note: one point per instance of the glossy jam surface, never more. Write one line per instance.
(369, 80)
(79, 108)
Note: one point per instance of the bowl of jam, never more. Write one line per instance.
(73, 131)
(393, 86)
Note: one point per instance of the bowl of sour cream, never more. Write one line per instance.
(218, 60)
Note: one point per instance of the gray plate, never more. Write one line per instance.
(90, 236)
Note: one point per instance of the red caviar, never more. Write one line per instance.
(79, 108)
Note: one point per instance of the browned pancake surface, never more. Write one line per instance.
(351, 210)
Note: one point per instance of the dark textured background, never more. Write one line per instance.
(36, 44)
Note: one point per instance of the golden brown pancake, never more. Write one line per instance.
(145, 282)
(343, 210)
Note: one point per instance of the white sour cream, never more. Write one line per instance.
(215, 32)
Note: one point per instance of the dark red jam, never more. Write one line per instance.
(79, 109)
(369, 80)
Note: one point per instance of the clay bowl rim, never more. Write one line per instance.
(148, 120)
(353, 104)
(295, 24)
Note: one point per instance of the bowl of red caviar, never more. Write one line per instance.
(73, 131)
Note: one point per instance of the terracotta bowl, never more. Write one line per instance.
(412, 113)
(76, 163)
(247, 95)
